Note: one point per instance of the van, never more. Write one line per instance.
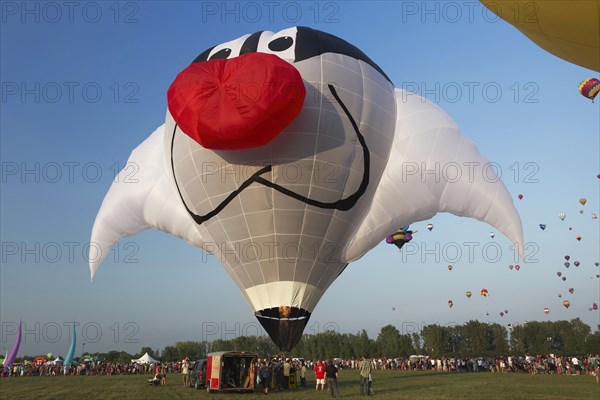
(198, 374)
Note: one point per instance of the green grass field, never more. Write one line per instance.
(387, 385)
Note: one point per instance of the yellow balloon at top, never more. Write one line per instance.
(583, 200)
(569, 29)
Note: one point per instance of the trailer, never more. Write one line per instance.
(231, 371)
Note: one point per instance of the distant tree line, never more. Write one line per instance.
(473, 338)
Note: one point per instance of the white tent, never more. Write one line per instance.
(145, 359)
(57, 361)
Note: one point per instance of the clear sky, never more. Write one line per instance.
(83, 85)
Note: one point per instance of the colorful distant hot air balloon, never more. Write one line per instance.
(13, 353)
(589, 88)
(449, 267)
(361, 123)
(564, 278)
(582, 201)
(571, 290)
(501, 314)
(520, 196)
(567, 264)
(393, 308)
(580, 211)
(594, 306)
(400, 237)
(578, 238)
(597, 264)
(468, 294)
(517, 267)
(484, 293)
(559, 274)
(566, 303)
(511, 266)
(505, 311)
(543, 227)
(594, 216)
(430, 226)
(562, 216)
(567, 258)
(576, 263)
(546, 310)
(559, 295)
(450, 303)
(492, 235)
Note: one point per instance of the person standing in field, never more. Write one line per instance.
(364, 368)
(331, 373)
(265, 377)
(185, 371)
(163, 379)
(320, 375)
(303, 376)
(286, 374)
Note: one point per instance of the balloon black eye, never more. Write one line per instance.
(280, 44)
(223, 53)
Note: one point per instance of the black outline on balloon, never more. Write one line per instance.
(342, 204)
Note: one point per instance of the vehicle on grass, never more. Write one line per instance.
(198, 374)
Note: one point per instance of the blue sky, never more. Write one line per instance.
(82, 87)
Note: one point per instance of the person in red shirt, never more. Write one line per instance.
(320, 375)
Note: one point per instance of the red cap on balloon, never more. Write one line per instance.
(238, 103)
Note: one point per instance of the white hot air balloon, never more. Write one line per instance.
(562, 216)
(282, 225)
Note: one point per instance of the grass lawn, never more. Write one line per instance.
(386, 384)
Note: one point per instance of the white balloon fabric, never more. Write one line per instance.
(286, 217)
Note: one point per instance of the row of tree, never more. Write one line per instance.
(473, 338)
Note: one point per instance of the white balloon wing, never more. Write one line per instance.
(140, 198)
(433, 168)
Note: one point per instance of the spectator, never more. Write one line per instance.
(286, 373)
(265, 377)
(185, 371)
(365, 369)
(303, 375)
(163, 379)
(331, 372)
(320, 375)
(576, 367)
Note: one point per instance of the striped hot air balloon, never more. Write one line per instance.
(589, 88)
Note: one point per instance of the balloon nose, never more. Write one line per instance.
(238, 103)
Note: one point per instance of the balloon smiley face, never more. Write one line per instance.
(255, 120)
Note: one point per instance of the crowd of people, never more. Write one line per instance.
(550, 364)
(89, 368)
(275, 373)
(285, 373)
